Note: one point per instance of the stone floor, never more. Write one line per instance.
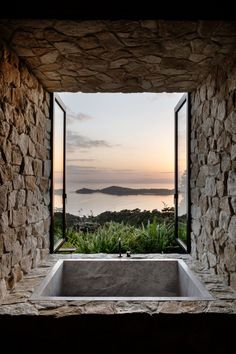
(18, 303)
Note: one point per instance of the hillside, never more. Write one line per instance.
(115, 190)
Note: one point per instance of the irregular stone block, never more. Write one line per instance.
(4, 221)
(3, 198)
(3, 288)
(231, 186)
(232, 229)
(47, 168)
(26, 263)
(28, 169)
(9, 238)
(30, 183)
(210, 187)
(19, 217)
(224, 220)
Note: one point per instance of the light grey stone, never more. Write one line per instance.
(212, 259)
(3, 289)
(230, 255)
(233, 280)
(232, 228)
(28, 169)
(233, 204)
(19, 217)
(225, 162)
(4, 221)
(24, 143)
(224, 220)
(9, 238)
(230, 123)
(196, 227)
(16, 253)
(221, 111)
(20, 198)
(195, 212)
(32, 151)
(232, 183)
(225, 204)
(47, 168)
(26, 263)
(23, 309)
(208, 125)
(210, 187)
(213, 158)
(36, 258)
(201, 179)
(220, 187)
(233, 152)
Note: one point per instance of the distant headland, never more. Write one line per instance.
(115, 190)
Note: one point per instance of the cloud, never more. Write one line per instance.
(71, 116)
(75, 140)
(111, 175)
(79, 160)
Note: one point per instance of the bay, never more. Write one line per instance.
(96, 203)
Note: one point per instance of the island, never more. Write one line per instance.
(115, 190)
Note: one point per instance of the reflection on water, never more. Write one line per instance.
(96, 203)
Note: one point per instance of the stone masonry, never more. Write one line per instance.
(120, 56)
(213, 172)
(24, 182)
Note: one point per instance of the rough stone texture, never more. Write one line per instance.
(122, 56)
(17, 302)
(24, 118)
(213, 172)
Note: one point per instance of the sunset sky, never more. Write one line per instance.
(118, 138)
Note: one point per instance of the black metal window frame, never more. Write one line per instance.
(185, 99)
(55, 99)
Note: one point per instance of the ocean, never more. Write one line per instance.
(96, 203)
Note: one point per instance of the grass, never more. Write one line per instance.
(153, 238)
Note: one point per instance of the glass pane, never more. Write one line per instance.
(58, 174)
(182, 173)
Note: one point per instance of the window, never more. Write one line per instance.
(182, 200)
(58, 173)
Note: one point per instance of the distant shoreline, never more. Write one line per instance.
(116, 190)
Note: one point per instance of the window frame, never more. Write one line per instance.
(55, 99)
(185, 99)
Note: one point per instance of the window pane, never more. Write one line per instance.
(58, 173)
(182, 173)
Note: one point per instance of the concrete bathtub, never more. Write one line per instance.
(121, 279)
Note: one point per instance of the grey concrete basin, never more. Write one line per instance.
(120, 279)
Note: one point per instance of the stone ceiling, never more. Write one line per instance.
(120, 56)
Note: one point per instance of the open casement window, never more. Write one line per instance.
(58, 197)
(182, 198)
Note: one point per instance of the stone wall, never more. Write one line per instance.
(213, 172)
(24, 170)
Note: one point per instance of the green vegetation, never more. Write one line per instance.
(152, 238)
(182, 231)
(140, 231)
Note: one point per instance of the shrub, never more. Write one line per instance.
(148, 239)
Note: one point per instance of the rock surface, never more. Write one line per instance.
(213, 176)
(23, 137)
(121, 56)
(18, 303)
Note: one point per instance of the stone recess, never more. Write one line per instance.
(121, 56)
(24, 117)
(213, 171)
